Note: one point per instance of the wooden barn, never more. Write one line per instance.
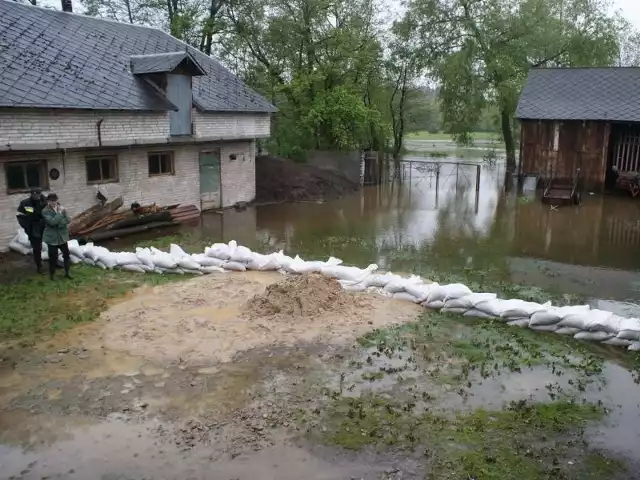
(580, 123)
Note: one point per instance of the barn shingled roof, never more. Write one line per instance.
(611, 94)
(53, 59)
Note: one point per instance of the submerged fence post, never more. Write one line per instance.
(477, 187)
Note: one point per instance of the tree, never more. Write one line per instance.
(481, 51)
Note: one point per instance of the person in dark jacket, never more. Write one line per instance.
(30, 219)
(56, 234)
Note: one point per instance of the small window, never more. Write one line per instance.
(23, 176)
(161, 163)
(103, 169)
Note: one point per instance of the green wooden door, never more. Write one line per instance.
(210, 179)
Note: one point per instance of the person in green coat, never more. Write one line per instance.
(56, 234)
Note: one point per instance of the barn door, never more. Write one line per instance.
(210, 180)
(179, 93)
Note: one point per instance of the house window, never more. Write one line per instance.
(23, 176)
(102, 169)
(556, 136)
(161, 163)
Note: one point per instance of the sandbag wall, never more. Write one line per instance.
(581, 322)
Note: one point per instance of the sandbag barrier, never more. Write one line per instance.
(581, 321)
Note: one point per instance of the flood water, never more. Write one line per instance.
(441, 224)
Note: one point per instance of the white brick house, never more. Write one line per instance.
(89, 105)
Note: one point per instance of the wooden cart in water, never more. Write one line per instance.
(560, 191)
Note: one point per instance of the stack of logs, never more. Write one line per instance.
(106, 220)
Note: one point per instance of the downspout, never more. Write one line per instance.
(99, 125)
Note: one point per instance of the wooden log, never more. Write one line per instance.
(96, 216)
(122, 232)
(161, 216)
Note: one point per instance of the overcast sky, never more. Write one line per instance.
(630, 9)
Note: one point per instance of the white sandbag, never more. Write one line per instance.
(189, 271)
(88, 261)
(282, 259)
(212, 269)
(520, 322)
(145, 256)
(400, 284)
(22, 238)
(106, 257)
(405, 296)
(75, 248)
(74, 259)
(20, 248)
(593, 336)
(419, 290)
(175, 270)
(444, 292)
(433, 305)
(474, 312)
(218, 250)
(205, 261)
(232, 245)
(630, 329)
(491, 307)
(101, 265)
(188, 263)
(132, 268)
(567, 331)
(516, 308)
(241, 255)
(45, 252)
(553, 315)
(618, 342)
(353, 274)
(300, 266)
(467, 302)
(584, 319)
(634, 347)
(126, 258)
(379, 280)
(234, 266)
(177, 252)
(146, 268)
(163, 260)
(348, 286)
(544, 328)
(263, 263)
(604, 323)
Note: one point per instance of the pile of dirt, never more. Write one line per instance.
(281, 180)
(306, 295)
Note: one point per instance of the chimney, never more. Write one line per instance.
(66, 6)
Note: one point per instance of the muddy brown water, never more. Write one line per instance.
(100, 414)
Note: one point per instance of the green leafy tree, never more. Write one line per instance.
(481, 51)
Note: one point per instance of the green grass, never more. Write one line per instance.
(424, 135)
(39, 306)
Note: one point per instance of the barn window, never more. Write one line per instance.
(161, 163)
(23, 176)
(556, 136)
(103, 169)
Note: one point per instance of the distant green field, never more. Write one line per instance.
(424, 135)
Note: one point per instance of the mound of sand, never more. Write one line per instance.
(214, 317)
(305, 295)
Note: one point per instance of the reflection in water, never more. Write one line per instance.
(435, 221)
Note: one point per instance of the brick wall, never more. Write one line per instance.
(238, 177)
(79, 129)
(231, 125)
(28, 129)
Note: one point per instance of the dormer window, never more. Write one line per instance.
(171, 73)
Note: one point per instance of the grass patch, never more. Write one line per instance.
(37, 305)
(524, 441)
(455, 350)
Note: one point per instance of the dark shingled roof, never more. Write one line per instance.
(53, 59)
(581, 94)
(163, 63)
